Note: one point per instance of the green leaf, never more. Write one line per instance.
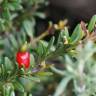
(2, 71)
(50, 45)
(7, 48)
(19, 39)
(2, 26)
(22, 71)
(41, 49)
(35, 79)
(8, 89)
(40, 15)
(1, 43)
(23, 35)
(66, 33)
(6, 14)
(12, 93)
(8, 64)
(62, 86)
(63, 34)
(14, 6)
(77, 34)
(32, 60)
(30, 94)
(42, 73)
(13, 41)
(18, 86)
(58, 71)
(8, 67)
(27, 25)
(69, 65)
(92, 23)
(45, 43)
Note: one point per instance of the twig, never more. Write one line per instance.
(46, 33)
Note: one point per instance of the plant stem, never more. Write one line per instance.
(46, 33)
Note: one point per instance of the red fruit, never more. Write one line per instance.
(23, 59)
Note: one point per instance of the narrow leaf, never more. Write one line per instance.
(66, 33)
(41, 73)
(50, 45)
(62, 86)
(92, 23)
(35, 79)
(18, 86)
(27, 25)
(77, 34)
(13, 41)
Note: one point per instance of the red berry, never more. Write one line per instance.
(23, 59)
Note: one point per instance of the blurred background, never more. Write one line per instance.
(73, 10)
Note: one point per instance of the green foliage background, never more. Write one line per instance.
(73, 73)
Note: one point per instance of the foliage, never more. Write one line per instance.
(75, 52)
